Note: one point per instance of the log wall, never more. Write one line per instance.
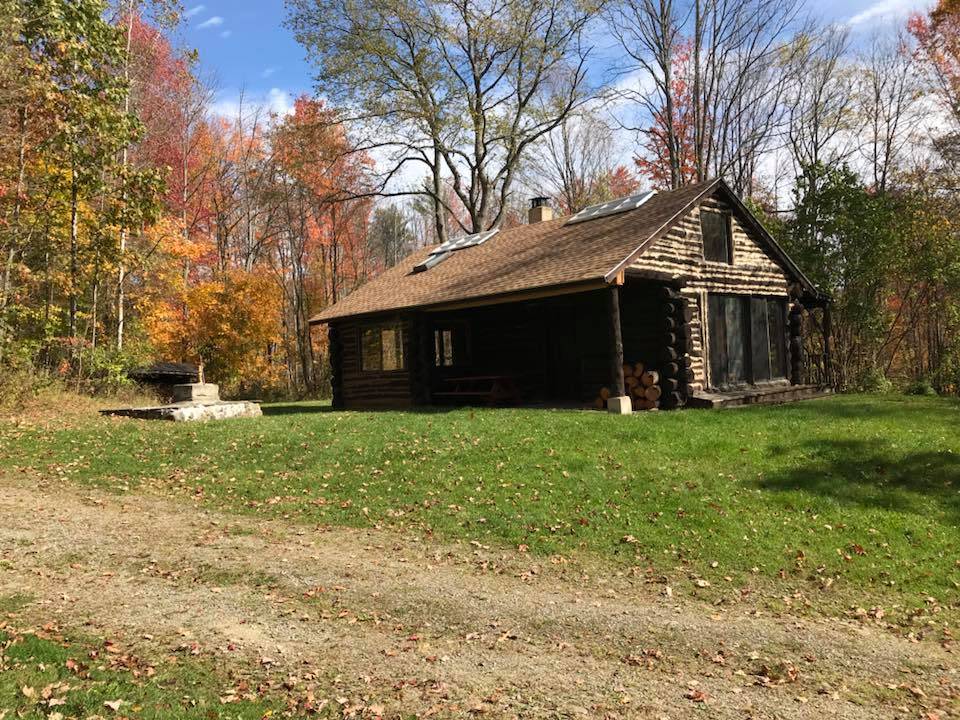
(680, 254)
(359, 389)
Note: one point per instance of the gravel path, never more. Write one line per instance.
(403, 625)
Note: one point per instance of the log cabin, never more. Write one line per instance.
(659, 300)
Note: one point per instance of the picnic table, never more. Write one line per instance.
(489, 389)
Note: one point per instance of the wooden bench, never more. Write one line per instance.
(492, 389)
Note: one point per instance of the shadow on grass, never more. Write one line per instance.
(309, 408)
(872, 474)
(295, 408)
(881, 407)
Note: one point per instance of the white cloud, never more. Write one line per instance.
(194, 11)
(280, 101)
(268, 72)
(276, 101)
(886, 11)
(226, 33)
(211, 22)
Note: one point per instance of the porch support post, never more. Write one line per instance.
(827, 339)
(421, 361)
(618, 399)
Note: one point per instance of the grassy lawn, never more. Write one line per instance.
(852, 500)
(45, 673)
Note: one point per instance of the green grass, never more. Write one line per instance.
(860, 494)
(48, 675)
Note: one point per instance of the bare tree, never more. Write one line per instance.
(821, 102)
(460, 87)
(710, 78)
(888, 91)
(574, 162)
(649, 34)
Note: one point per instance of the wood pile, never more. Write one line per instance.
(642, 385)
(662, 379)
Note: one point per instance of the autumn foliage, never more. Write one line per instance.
(654, 159)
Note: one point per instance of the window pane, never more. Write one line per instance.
(759, 339)
(370, 358)
(776, 320)
(391, 356)
(716, 236)
(448, 348)
(438, 348)
(736, 339)
(718, 339)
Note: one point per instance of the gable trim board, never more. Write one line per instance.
(545, 256)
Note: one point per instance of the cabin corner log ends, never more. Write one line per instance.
(335, 339)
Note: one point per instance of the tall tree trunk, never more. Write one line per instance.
(7, 289)
(121, 267)
(74, 251)
(438, 209)
(94, 304)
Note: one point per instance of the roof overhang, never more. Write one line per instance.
(546, 291)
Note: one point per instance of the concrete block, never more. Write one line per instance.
(196, 392)
(620, 405)
(187, 412)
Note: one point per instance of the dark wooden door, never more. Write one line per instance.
(728, 320)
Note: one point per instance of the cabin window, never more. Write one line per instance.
(381, 348)
(450, 345)
(747, 338)
(717, 243)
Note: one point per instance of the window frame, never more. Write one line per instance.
(459, 350)
(776, 345)
(381, 328)
(727, 224)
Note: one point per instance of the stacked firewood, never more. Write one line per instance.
(641, 384)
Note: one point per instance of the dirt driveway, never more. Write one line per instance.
(376, 619)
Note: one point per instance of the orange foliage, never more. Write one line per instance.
(938, 37)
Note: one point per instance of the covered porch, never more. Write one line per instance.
(558, 350)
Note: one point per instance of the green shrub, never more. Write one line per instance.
(920, 387)
(873, 380)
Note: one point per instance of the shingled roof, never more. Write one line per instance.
(531, 257)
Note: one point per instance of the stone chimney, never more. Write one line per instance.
(540, 210)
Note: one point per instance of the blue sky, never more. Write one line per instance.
(244, 46)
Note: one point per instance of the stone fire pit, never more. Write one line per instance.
(192, 401)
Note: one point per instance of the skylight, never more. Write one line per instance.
(441, 253)
(613, 207)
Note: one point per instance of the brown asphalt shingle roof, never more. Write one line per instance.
(527, 257)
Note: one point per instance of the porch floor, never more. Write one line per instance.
(757, 396)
